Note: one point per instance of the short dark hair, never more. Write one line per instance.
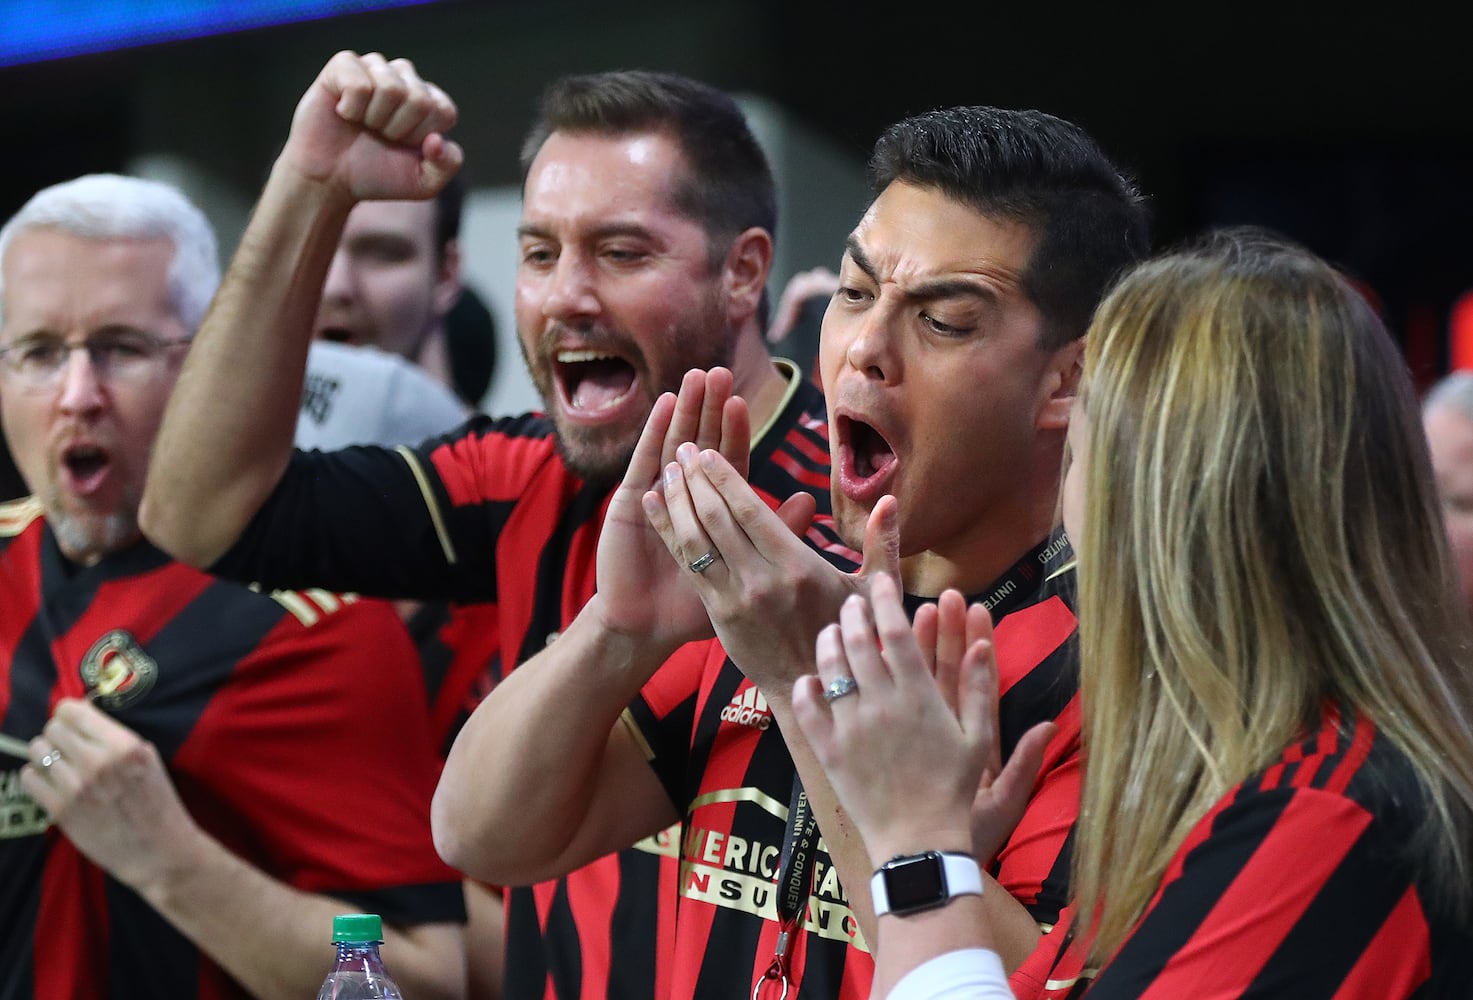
(449, 207)
(728, 187)
(1038, 170)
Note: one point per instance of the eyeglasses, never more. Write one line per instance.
(37, 362)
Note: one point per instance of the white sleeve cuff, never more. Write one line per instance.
(967, 974)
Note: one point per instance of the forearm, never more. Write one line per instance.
(534, 782)
(275, 939)
(846, 846)
(228, 428)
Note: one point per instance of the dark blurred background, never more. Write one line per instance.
(1341, 125)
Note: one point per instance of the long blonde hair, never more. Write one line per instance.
(1261, 536)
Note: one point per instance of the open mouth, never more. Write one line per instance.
(85, 466)
(593, 382)
(338, 334)
(870, 454)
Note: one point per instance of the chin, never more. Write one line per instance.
(601, 462)
(86, 538)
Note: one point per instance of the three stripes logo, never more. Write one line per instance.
(748, 708)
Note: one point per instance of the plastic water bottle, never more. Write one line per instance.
(359, 973)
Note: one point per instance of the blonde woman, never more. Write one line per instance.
(1278, 721)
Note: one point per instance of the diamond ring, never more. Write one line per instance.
(839, 687)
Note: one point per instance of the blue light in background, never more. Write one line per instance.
(34, 30)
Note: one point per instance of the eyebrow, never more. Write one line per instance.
(599, 232)
(939, 288)
(106, 330)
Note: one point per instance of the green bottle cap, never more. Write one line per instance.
(357, 927)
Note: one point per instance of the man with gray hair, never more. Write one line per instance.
(1447, 417)
(175, 819)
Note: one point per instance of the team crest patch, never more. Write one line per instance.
(117, 671)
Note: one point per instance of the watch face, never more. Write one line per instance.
(914, 883)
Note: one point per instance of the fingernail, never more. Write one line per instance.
(672, 474)
(686, 453)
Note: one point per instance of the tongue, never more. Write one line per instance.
(871, 452)
(601, 384)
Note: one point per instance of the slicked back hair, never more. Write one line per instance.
(1037, 170)
(727, 186)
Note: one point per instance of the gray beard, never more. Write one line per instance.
(86, 539)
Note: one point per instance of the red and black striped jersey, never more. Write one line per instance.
(283, 720)
(712, 741)
(1304, 881)
(490, 513)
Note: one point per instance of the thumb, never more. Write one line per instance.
(441, 160)
(882, 539)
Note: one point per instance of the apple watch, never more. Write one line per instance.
(915, 882)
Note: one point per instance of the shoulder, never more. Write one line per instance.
(1346, 767)
(317, 607)
(496, 458)
(18, 515)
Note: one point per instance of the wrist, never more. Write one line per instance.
(917, 839)
(621, 656)
(923, 881)
(308, 192)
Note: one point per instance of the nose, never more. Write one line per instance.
(338, 285)
(570, 290)
(873, 351)
(81, 386)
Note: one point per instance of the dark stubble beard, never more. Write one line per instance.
(600, 455)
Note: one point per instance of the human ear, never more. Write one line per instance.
(1060, 385)
(744, 275)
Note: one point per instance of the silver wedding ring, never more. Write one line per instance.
(51, 757)
(839, 687)
(703, 563)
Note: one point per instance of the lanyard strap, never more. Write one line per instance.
(794, 883)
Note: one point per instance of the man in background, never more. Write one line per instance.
(201, 755)
(394, 283)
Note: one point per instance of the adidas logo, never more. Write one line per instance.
(748, 709)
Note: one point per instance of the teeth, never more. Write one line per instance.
(574, 357)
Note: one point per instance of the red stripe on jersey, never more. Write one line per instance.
(473, 636)
(1326, 745)
(823, 543)
(1025, 638)
(814, 479)
(543, 894)
(592, 892)
(67, 923)
(1355, 754)
(1031, 851)
(292, 683)
(1259, 908)
(802, 443)
(579, 587)
(693, 922)
(1398, 959)
(468, 465)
